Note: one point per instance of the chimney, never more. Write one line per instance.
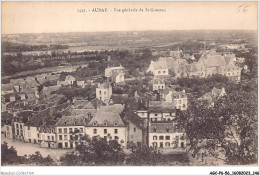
(183, 91)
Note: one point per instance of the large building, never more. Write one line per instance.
(108, 125)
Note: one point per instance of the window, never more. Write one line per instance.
(52, 138)
(161, 137)
(100, 92)
(116, 137)
(154, 137)
(155, 114)
(65, 123)
(60, 130)
(65, 130)
(66, 144)
(115, 131)
(94, 123)
(28, 127)
(21, 126)
(167, 144)
(163, 71)
(105, 93)
(65, 137)
(134, 129)
(167, 137)
(17, 126)
(70, 129)
(71, 137)
(17, 132)
(81, 130)
(105, 131)
(95, 131)
(60, 137)
(179, 101)
(167, 130)
(155, 119)
(48, 137)
(159, 72)
(116, 124)
(105, 123)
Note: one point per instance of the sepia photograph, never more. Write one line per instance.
(166, 83)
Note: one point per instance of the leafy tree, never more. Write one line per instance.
(97, 151)
(144, 156)
(228, 128)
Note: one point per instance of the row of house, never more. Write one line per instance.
(209, 64)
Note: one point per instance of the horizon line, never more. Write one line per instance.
(132, 31)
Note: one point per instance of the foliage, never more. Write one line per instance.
(229, 127)
(9, 156)
(96, 151)
(144, 156)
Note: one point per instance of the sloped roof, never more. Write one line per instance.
(212, 95)
(157, 81)
(117, 108)
(110, 118)
(161, 106)
(105, 85)
(161, 127)
(168, 60)
(135, 119)
(72, 121)
(214, 61)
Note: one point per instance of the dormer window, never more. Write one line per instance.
(65, 123)
(105, 123)
(116, 124)
(75, 122)
(94, 123)
(167, 129)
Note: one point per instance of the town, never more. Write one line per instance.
(153, 105)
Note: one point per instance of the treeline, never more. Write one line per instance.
(16, 47)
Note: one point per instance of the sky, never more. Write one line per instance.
(46, 17)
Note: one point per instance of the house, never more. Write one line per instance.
(161, 111)
(81, 84)
(108, 125)
(212, 96)
(7, 122)
(117, 78)
(179, 68)
(111, 70)
(179, 98)
(233, 72)
(158, 68)
(67, 81)
(135, 130)
(166, 135)
(32, 127)
(196, 69)
(69, 130)
(157, 84)
(20, 120)
(104, 92)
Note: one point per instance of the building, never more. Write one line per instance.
(48, 135)
(179, 98)
(108, 125)
(112, 70)
(158, 68)
(69, 130)
(161, 111)
(7, 122)
(157, 84)
(166, 135)
(213, 95)
(104, 92)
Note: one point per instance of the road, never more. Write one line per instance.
(28, 148)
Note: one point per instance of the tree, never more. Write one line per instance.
(97, 151)
(144, 156)
(229, 127)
